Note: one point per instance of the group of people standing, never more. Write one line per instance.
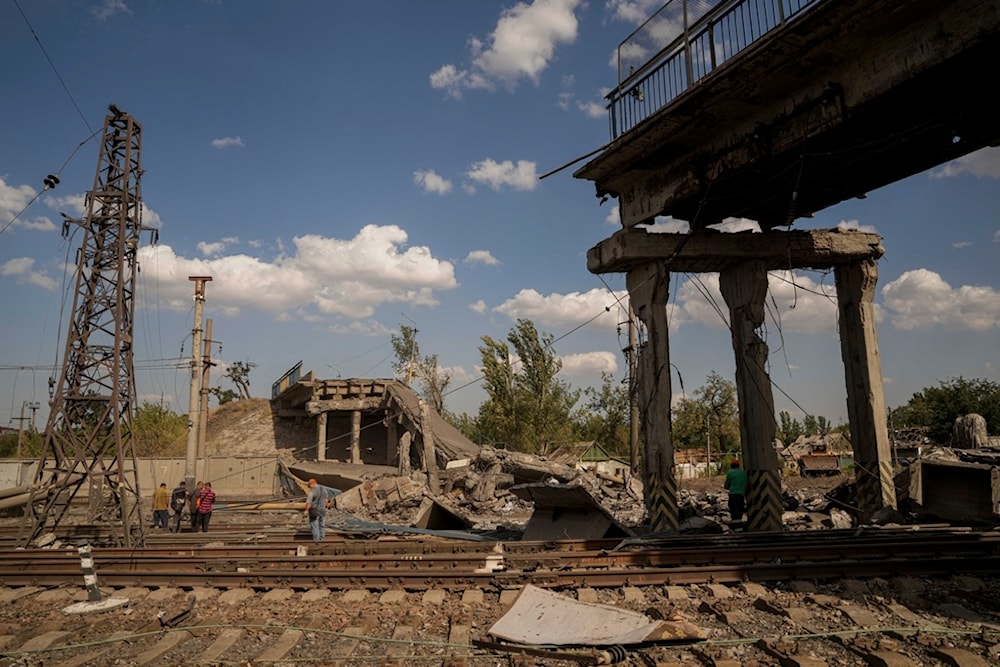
(200, 501)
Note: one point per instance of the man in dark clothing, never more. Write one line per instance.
(178, 499)
(736, 484)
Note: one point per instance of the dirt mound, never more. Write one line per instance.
(242, 428)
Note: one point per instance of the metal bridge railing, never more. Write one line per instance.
(682, 43)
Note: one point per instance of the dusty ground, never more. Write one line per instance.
(808, 485)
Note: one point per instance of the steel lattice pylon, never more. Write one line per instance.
(88, 438)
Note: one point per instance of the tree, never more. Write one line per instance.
(409, 364)
(238, 373)
(223, 396)
(605, 417)
(788, 429)
(709, 418)
(527, 405)
(158, 431)
(937, 407)
(31, 444)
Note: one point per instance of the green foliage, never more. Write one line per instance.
(158, 431)
(790, 429)
(31, 444)
(223, 396)
(938, 407)
(238, 373)
(527, 405)
(410, 365)
(605, 416)
(710, 416)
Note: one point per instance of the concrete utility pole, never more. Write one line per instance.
(192, 439)
(633, 394)
(206, 368)
(20, 423)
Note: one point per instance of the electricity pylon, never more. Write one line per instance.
(88, 437)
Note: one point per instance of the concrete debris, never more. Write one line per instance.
(542, 617)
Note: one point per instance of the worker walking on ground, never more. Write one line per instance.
(205, 501)
(178, 500)
(161, 499)
(316, 504)
(736, 484)
(195, 499)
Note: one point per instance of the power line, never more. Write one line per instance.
(53, 66)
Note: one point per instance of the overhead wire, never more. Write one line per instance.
(55, 70)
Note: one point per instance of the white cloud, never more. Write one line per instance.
(633, 11)
(803, 305)
(209, 249)
(984, 163)
(346, 278)
(13, 200)
(565, 311)
(22, 268)
(362, 327)
(430, 181)
(520, 47)
(40, 224)
(614, 216)
(482, 257)
(921, 299)
(592, 109)
(478, 307)
(996, 236)
(589, 363)
(854, 225)
(665, 224)
(228, 142)
(498, 174)
(961, 244)
(109, 8)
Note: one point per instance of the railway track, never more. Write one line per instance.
(415, 564)
(243, 595)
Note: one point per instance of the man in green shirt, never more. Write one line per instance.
(736, 484)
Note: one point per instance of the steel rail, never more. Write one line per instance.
(306, 578)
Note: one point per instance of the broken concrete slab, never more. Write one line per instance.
(566, 511)
(542, 617)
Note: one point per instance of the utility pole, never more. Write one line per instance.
(206, 368)
(20, 423)
(708, 445)
(196, 354)
(88, 438)
(633, 394)
(413, 352)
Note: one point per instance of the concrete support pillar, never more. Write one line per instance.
(404, 454)
(744, 287)
(392, 440)
(321, 436)
(430, 457)
(865, 393)
(648, 289)
(356, 436)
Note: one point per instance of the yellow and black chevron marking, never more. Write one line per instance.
(763, 500)
(888, 482)
(661, 502)
(874, 491)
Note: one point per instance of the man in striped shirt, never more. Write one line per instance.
(206, 499)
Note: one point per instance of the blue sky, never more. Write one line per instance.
(344, 168)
